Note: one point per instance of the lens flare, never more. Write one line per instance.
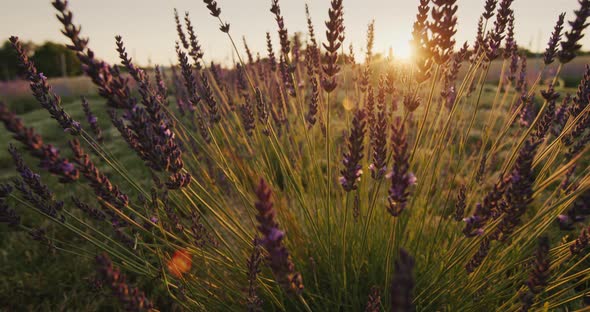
(180, 263)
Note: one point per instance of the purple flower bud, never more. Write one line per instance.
(563, 218)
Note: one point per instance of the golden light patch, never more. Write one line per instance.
(180, 263)
(347, 103)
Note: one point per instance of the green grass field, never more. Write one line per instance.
(34, 277)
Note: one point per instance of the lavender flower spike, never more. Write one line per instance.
(278, 257)
(335, 36)
(132, 298)
(551, 50)
(253, 301)
(402, 284)
(401, 177)
(7, 214)
(539, 274)
(374, 301)
(33, 189)
(571, 45)
(461, 203)
(352, 168)
(48, 155)
(42, 91)
(378, 135)
(92, 121)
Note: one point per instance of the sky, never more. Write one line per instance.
(149, 32)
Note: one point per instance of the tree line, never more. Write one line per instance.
(52, 59)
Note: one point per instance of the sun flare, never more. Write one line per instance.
(402, 51)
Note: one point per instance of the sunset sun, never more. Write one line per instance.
(402, 51)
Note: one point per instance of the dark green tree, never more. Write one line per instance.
(56, 60)
(8, 62)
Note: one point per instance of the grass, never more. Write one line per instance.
(39, 280)
(36, 278)
(266, 184)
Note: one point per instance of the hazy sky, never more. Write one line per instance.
(148, 28)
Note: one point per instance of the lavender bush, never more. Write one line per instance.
(258, 195)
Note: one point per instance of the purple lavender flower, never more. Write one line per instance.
(402, 284)
(539, 275)
(201, 236)
(581, 242)
(101, 185)
(278, 257)
(374, 301)
(579, 210)
(489, 8)
(561, 116)
(7, 214)
(521, 84)
(544, 125)
(378, 133)
(253, 301)
(132, 298)
(449, 91)
(272, 60)
(481, 171)
(33, 189)
(519, 191)
(570, 46)
(473, 225)
(420, 42)
(207, 96)
(460, 205)
(180, 31)
(352, 170)
(510, 42)
(286, 76)
(335, 37)
(248, 51)
(47, 154)
(490, 208)
(195, 48)
(214, 10)
(565, 222)
(401, 178)
(92, 121)
(92, 212)
(43, 92)
(110, 84)
(40, 235)
(283, 33)
(370, 107)
(189, 78)
(495, 36)
(477, 259)
(478, 44)
(580, 102)
(162, 88)
(513, 67)
(551, 50)
(315, 93)
(248, 117)
(443, 28)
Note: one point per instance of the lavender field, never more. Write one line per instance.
(301, 175)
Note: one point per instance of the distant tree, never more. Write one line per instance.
(9, 68)
(55, 60)
(52, 59)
